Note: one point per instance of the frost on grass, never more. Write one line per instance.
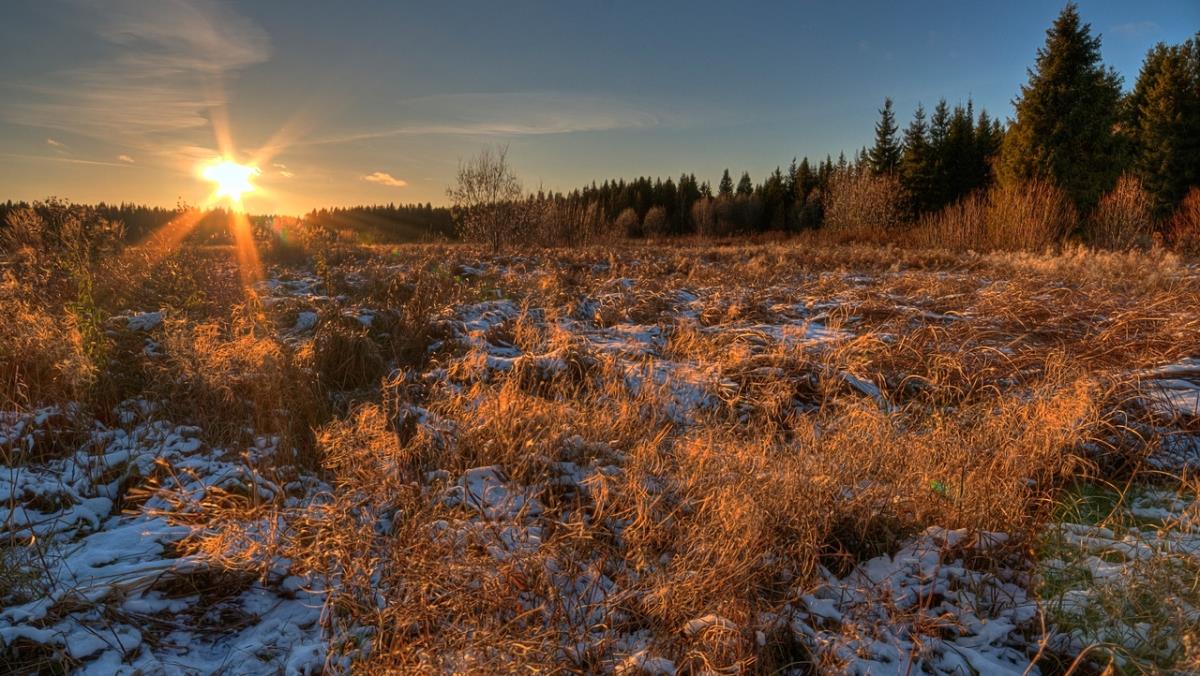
(104, 589)
(536, 481)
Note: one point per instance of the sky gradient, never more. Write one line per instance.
(376, 102)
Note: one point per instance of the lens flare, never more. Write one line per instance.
(232, 179)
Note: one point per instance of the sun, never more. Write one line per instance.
(232, 179)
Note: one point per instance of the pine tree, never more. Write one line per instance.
(725, 187)
(958, 155)
(1066, 114)
(988, 137)
(884, 157)
(745, 186)
(1166, 135)
(916, 164)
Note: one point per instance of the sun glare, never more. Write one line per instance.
(232, 179)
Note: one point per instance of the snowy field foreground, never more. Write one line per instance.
(763, 459)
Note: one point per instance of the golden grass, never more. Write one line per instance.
(993, 374)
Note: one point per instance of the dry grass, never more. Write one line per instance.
(1035, 216)
(962, 391)
(1124, 217)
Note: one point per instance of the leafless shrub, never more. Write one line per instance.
(1183, 230)
(655, 223)
(559, 222)
(860, 204)
(1010, 217)
(704, 217)
(1029, 217)
(628, 224)
(487, 200)
(1123, 219)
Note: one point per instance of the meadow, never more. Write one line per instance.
(775, 456)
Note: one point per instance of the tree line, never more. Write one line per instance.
(1073, 128)
(1109, 155)
(374, 223)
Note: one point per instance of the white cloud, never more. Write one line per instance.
(384, 178)
(54, 144)
(163, 72)
(510, 114)
(125, 158)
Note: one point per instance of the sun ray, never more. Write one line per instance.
(160, 243)
(249, 265)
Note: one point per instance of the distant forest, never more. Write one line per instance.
(1074, 130)
(371, 224)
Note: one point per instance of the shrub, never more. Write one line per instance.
(704, 217)
(1028, 216)
(1183, 231)
(628, 223)
(487, 200)
(1013, 217)
(1123, 218)
(959, 226)
(859, 204)
(655, 223)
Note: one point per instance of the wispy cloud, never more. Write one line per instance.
(384, 178)
(1137, 29)
(125, 158)
(65, 160)
(163, 71)
(509, 114)
(55, 144)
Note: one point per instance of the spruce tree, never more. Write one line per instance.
(958, 155)
(745, 186)
(939, 130)
(725, 187)
(1166, 135)
(1066, 114)
(884, 156)
(916, 164)
(988, 137)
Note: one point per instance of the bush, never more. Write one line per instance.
(487, 200)
(554, 221)
(860, 204)
(655, 223)
(628, 223)
(1183, 231)
(1028, 217)
(959, 226)
(1014, 217)
(1123, 218)
(704, 217)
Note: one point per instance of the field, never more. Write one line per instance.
(773, 457)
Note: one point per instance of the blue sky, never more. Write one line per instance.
(352, 102)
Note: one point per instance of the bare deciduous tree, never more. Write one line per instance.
(487, 199)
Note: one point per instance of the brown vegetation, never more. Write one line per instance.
(819, 405)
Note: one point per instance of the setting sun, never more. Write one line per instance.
(609, 337)
(232, 179)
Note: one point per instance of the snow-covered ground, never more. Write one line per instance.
(96, 575)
